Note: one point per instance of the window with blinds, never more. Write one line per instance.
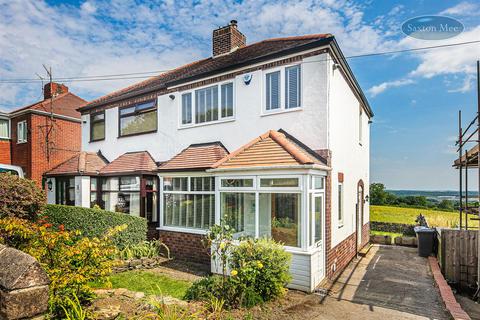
(187, 108)
(273, 90)
(292, 87)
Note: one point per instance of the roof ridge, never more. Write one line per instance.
(281, 139)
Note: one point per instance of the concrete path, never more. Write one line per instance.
(389, 283)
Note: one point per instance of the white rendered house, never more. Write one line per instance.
(272, 137)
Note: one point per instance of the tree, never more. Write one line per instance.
(378, 195)
(446, 205)
(20, 197)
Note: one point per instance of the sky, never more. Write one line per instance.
(415, 95)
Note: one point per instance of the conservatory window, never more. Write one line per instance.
(238, 212)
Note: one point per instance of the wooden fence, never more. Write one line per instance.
(458, 256)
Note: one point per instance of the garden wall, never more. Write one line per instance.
(406, 229)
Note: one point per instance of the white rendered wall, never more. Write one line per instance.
(348, 155)
(308, 124)
(82, 191)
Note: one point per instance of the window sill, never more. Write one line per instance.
(183, 230)
(280, 111)
(136, 134)
(205, 124)
(96, 140)
(21, 142)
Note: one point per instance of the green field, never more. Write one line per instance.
(434, 218)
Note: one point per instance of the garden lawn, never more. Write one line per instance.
(147, 282)
(434, 218)
(393, 235)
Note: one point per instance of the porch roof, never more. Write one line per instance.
(272, 149)
(196, 157)
(83, 163)
(131, 162)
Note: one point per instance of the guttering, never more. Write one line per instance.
(311, 45)
(280, 167)
(337, 52)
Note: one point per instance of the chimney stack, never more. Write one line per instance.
(53, 90)
(228, 38)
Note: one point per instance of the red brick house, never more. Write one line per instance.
(42, 135)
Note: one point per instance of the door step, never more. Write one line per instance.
(363, 252)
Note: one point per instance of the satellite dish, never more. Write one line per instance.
(247, 78)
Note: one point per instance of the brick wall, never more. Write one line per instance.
(65, 141)
(186, 246)
(21, 152)
(5, 155)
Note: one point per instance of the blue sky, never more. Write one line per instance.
(415, 96)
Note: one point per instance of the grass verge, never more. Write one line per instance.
(147, 282)
(393, 235)
(434, 218)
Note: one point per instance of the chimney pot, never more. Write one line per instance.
(228, 38)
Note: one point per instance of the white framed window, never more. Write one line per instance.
(273, 90)
(188, 202)
(283, 89)
(207, 105)
(292, 87)
(340, 204)
(22, 131)
(4, 129)
(360, 125)
(237, 183)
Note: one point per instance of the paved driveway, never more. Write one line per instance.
(389, 283)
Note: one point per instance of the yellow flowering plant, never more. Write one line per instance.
(71, 261)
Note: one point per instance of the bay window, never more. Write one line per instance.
(137, 119)
(189, 202)
(206, 105)
(118, 194)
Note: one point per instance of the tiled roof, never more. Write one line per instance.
(196, 156)
(131, 162)
(255, 52)
(83, 163)
(65, 104)
(274, 148)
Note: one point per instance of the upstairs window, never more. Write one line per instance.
(292, 87)
(287, 79)
(4, 129)
(206, 104)
(187, 108)
(273, 90)
(137, 119)
(22, 132)
(97, 126)
(209, 104)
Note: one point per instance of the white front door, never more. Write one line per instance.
(318, 235)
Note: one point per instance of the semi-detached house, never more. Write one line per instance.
(271, 138)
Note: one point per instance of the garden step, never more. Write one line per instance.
(363, 252)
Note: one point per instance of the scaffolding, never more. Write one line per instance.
(468, 158)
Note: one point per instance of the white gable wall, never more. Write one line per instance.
(308, 124)
(348, 156)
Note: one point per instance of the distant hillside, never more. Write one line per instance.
(436, 195)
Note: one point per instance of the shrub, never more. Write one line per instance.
(94, 223)
(145, 249)
(69, 260)
(260, 266)
(259, 271)
(20, 197)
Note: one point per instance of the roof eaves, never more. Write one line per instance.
(310, 45)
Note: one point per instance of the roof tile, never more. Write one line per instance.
(199, 156)
(131, 162)
(83, 163)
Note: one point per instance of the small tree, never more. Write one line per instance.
(20, 197)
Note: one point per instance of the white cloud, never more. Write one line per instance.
(463, 9)
(100, 37)
(377, 89)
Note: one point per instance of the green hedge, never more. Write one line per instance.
(95, 222)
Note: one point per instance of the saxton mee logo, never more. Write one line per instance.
(432, 27)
